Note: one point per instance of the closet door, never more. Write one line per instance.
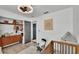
(27, 31)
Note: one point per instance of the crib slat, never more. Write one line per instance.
(68, 49)
(60, 48)
(72, 49)
(55, 47)
(65, 49)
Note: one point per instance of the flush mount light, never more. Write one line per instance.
(26, 9)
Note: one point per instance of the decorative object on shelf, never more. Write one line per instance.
(14, 21)
(11, 22)
(26, 9)
(21, 28)
(48, 24)
(5, 21)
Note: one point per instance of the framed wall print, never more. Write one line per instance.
(48, 24)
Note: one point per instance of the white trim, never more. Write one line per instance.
(31, 31)
(23, 41)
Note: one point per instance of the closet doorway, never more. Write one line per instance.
(34, 31)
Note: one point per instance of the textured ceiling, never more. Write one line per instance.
(38, 10)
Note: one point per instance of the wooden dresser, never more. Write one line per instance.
(10, 39)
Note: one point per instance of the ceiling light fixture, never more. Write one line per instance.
(26, 9)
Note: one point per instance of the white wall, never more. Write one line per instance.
(76, 21)
(12, 15)
(62, 22)
(4, 28)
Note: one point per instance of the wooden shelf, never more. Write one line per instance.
(10, 23)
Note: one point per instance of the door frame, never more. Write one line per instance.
(32, 30)
(23, 41)
(35, 31)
